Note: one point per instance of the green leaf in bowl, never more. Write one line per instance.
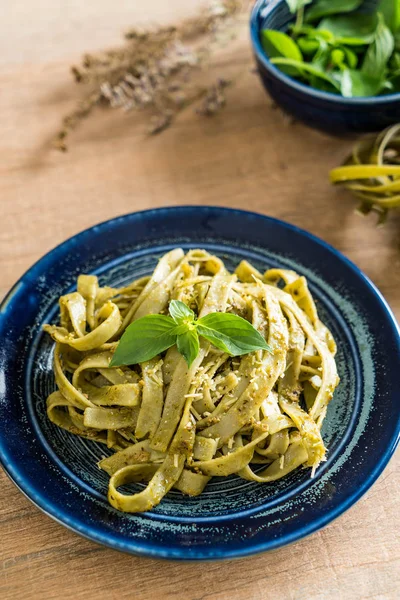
(379, 51)
(325, 8)
(279, 44)
(352, 30)
(306, 70)
(391, 12)
(338, 58)
(355, 83)
(351, 57)
(308, 45)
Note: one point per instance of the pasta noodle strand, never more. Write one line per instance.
(258, 416)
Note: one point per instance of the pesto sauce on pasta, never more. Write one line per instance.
(258, 415)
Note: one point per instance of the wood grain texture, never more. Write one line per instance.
(246, 157)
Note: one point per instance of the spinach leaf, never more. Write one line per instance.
(379, 51)
(325, 8)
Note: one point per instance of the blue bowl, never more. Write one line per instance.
(328, 112)
(232, 517)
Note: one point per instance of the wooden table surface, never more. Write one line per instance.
(248, 157)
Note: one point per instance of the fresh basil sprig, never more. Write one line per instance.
(150, 335)
(379, 52)
(336, 46)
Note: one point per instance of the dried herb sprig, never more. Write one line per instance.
(372, 172)
(154, 70)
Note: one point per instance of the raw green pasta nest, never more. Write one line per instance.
(258, 416)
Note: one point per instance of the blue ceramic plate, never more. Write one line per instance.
(233, 517)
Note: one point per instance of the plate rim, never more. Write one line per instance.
(154, 551)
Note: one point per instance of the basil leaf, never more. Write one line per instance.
(338, 58)
(179, 311)
(379, 51)
(353, 30)
(188, 345)
(277, 43)
(351, 57)
(324, 86)
(306, 69)
(358, 84)
(143, 339)
(314, 33)
(295, 5)
(391, 12)
(343, 58)
(322, 62)
(231, 333)
(308, 45)
(324, 8)
(322, 57)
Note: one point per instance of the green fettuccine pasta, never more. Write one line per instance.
(167, 424)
